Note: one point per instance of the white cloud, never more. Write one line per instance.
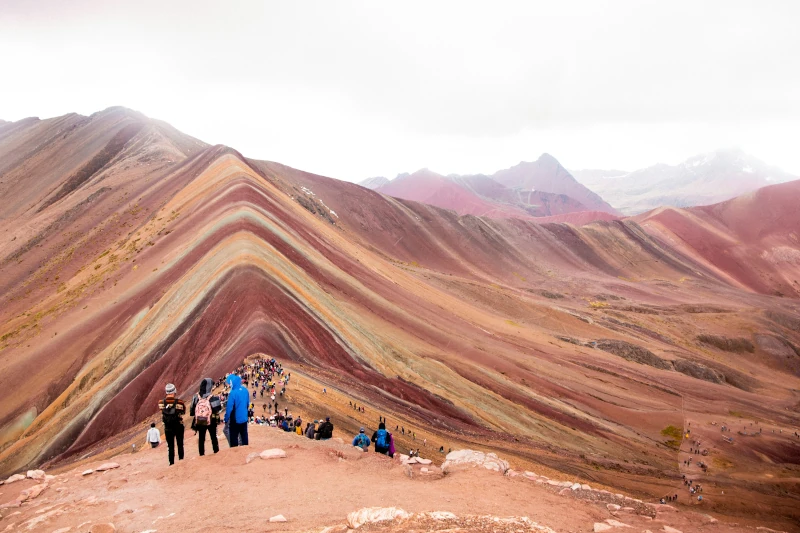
(355, 89)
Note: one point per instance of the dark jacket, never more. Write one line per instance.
(325, 431)
(310, 430)
(206, 386)
(238, 401)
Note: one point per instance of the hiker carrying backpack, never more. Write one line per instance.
(205, 411)
(361, 440)
(381, 439)
(172, 411)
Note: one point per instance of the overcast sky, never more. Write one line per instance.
(358, 89)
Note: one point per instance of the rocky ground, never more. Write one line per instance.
(324, 486)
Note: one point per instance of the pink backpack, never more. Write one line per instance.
(202, 412)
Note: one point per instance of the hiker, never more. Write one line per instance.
(153, 436)
(325, 430)
(236, 411)
(310, 429)
(381, 439)
(441, 449)
(172, 411)
(361, 440)
(205, 409)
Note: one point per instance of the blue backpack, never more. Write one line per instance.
(362, 440)
(382, 440)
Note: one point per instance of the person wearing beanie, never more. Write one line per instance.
(172, 411)
(361, 440)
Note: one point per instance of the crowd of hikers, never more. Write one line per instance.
(234, 409)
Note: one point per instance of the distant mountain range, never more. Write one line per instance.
(541, 188)
(700, 180)
(544, 188)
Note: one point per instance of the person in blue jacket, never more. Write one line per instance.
(236, 411)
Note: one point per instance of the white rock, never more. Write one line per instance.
(575, 486)
(424, 470)
(599, 526)
(35, 474)
(441, 515)
(584, 486)
(528, 473)
(278, 518)
(460, 458)
(370, 515)
(107, 466)
(273, 453)
(613, 507)
(250, 457)
(422, 461)
(15, 477)
(87, 472)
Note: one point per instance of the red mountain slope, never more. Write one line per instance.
(754, 238)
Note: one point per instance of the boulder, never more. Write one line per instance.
(35, 474)
(575, 486)
(103, 528)
(15, 477)
(422, 461)
(600, 526)
(278, 518)
(471, 458)
(273, 453)
(107, 466)
(87, 472)
(370, 515)
(613, 507)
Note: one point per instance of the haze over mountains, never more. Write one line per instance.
(544, 187)
(132, 255)
(700, 180)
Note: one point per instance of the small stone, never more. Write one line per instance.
(35, 474)
(103, 528)
(584, 486)
(251, 456)
(613, 507)
(575, 486)
(87, 472)
(599, 527)
(424, 470)
(107, 466)
(15, 477)
(441, 515)
(273, 453)
(278, 518)
(422, 461)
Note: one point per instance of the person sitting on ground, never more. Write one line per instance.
(153, 436)
(361, 440)
(172, 411)
(205, 410)
(311, 429)
(325, 430)
(236, 411)
(381, 439)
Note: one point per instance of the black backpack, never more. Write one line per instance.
(169, 414)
